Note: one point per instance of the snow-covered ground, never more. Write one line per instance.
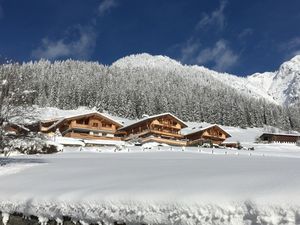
(156, 184)
(161, 185)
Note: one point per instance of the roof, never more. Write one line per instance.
(17, 126)
(280, 134)
(154, 117)
(205, 128)
(61, 119)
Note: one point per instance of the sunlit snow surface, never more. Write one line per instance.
(161, 185)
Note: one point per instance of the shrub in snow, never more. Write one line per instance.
(31, 144)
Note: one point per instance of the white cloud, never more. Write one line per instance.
(80, 48)
(291, 47)
(293, 43)
(106, 5)
(216, 18)
(189, 50)
(221, 56)
(246, 32)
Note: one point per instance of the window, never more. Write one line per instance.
(105, 124)
(95, 124)
(83, 121)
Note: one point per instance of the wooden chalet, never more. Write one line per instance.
(93, 125)
(16, 129)
(281, 138)
(163, 128)
(213, 134)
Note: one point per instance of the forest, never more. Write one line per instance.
(131, 91)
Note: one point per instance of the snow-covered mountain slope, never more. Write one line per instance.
(281, 87)
(262, 80)
(286, 84)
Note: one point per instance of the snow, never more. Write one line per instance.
(50, 113)
(4, 82)
(283, 85)
(279, 87)
(105, 142)
(160, 187)
(13, 167)
(68, 141)
(155, 116)
(80, 142)
(262, 80)
(201, 128)
(147, 60)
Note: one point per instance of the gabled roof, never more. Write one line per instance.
(280, 134)
(183, 124)
(60, 120)
(206, 128)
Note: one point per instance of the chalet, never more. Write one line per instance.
(95, 125)
(16, 129)
(213, 134)
(161, 128)
(282, 138)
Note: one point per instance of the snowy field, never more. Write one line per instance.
(156, 186)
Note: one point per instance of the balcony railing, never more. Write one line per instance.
(153, 131)
(89, 127)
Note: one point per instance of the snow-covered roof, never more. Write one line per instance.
(280, 134)
(61, 119)
(153, 117)
(205, 128)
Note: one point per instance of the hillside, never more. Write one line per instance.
(281, 87)
(144, 84)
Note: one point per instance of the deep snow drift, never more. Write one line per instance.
(161, 186)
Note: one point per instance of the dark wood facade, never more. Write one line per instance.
(84, 126)
(212, 134)
(162, 128)
(282, 138)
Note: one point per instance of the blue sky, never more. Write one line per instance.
(240, 37)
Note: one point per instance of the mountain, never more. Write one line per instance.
(283, 85)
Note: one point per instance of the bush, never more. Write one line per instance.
(32, 144)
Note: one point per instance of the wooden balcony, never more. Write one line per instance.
(153, 131)
(166, 126)
(215, 138)
(89, 127)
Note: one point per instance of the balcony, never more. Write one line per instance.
(154, 131)
(89, 127)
